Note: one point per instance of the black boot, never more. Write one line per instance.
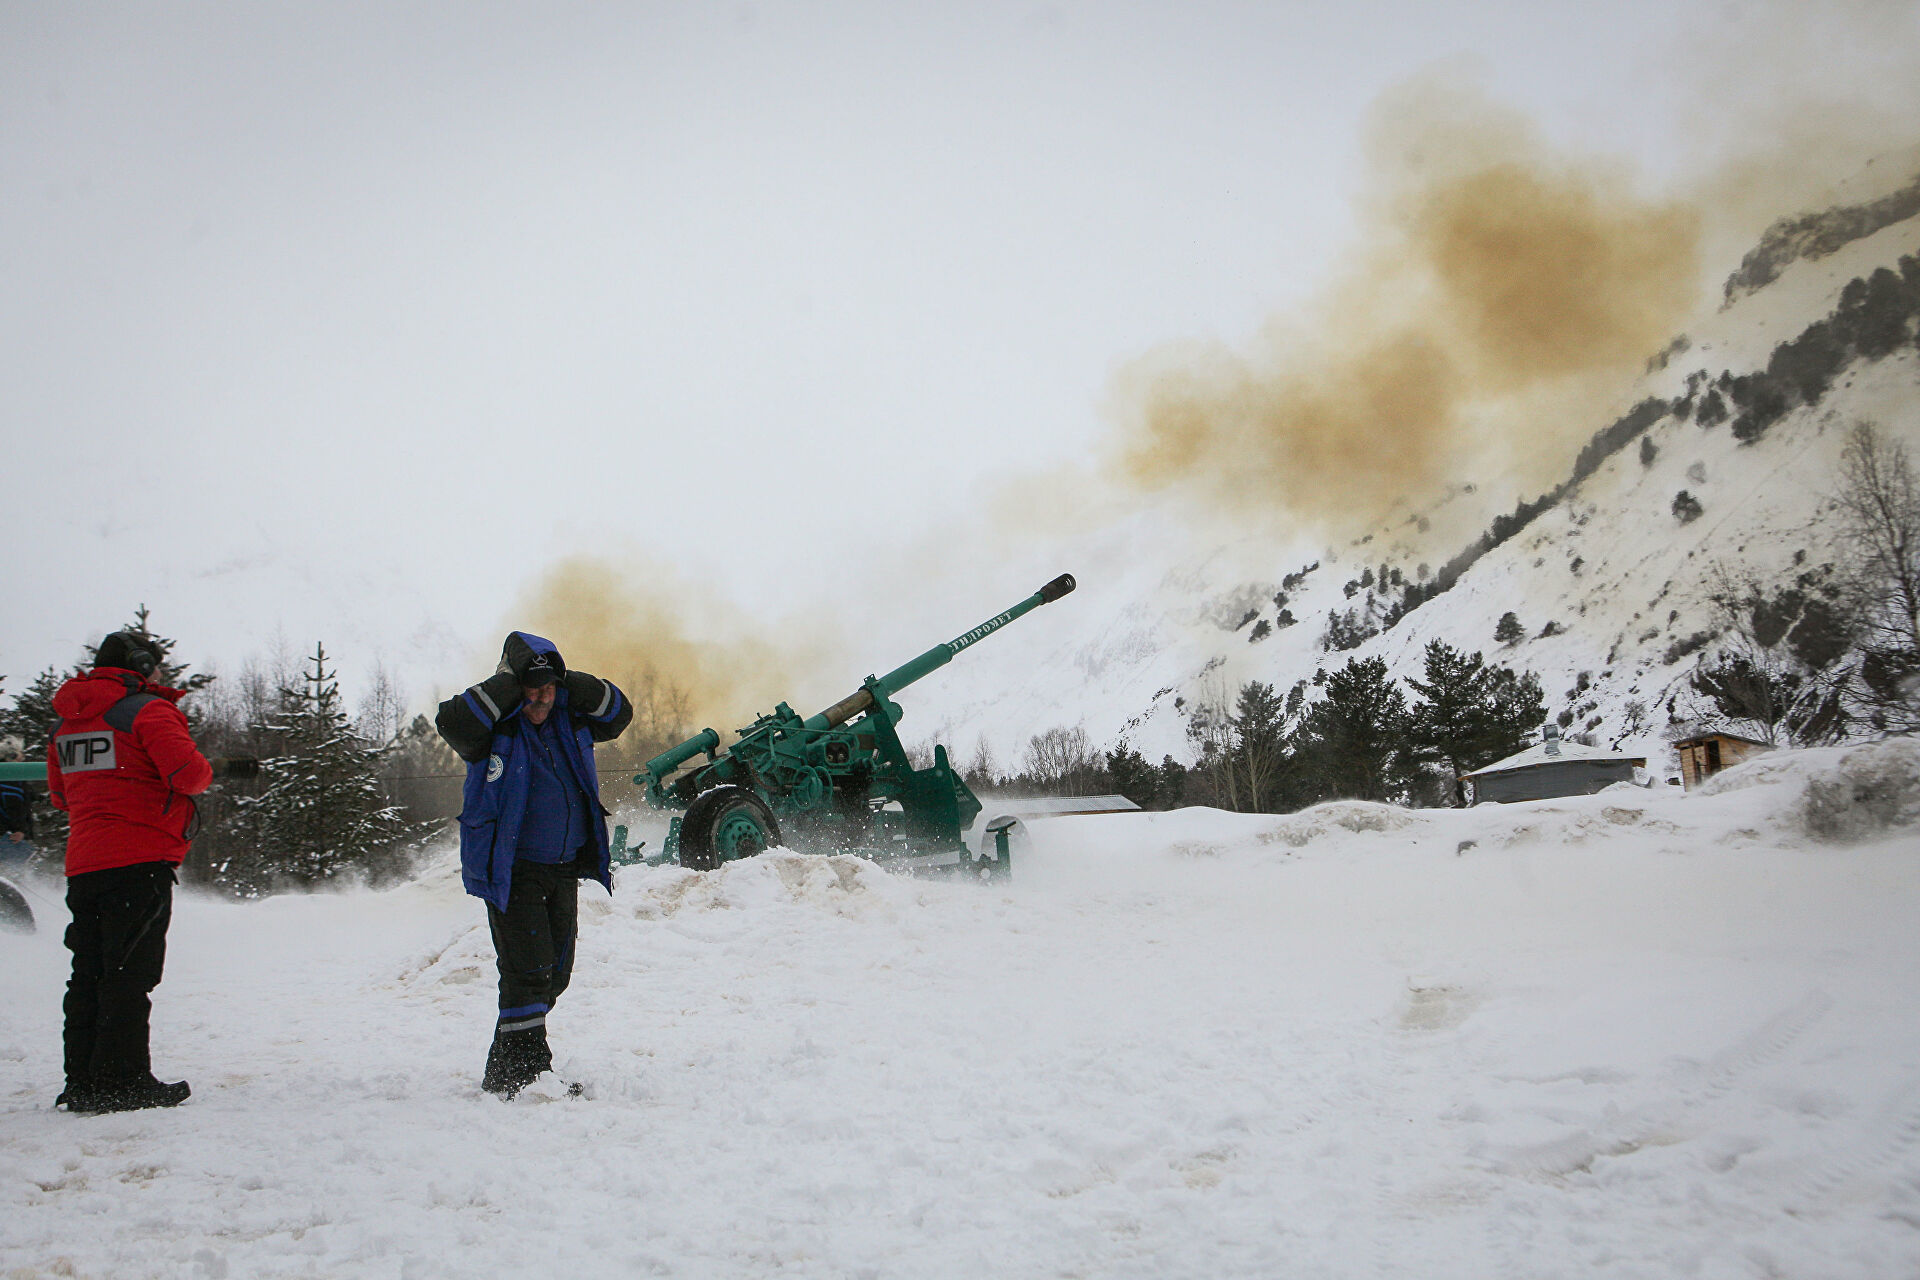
(77, 1097)
(133, 1093)
(516, 1059)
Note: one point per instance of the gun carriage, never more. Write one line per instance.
(836, 782)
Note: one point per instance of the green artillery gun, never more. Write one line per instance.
(16, 916)
(837, 782)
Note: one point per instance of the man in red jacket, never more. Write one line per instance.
(121, 763)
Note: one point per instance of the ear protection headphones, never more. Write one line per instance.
(128, 650)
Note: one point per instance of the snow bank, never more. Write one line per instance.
(1837, 794)
(840, 885)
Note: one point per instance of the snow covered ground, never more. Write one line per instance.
(1633, 1035)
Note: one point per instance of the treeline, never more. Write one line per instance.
(327, 799)
(338, 795)
(334, 795)
(1353, 733)
(1874, 319)
(343, 793)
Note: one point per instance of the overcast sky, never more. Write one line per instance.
(346, 321)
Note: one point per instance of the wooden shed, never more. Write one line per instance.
(1706, 754)
(1552, 768)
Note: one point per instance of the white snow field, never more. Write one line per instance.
(1638, 1034)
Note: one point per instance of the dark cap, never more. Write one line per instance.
(532, 659)
(129, 651)
(538, 674)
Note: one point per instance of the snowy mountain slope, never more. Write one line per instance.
(1618, 578)
(1620, 1036)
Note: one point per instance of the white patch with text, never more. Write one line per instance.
(85, 752)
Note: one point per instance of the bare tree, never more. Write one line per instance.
(1210, 730)
(1879, 506)
(662, 717)
(1784, 661)
(383, 708)
(979, 770)
(1061, 758)
(232, 706)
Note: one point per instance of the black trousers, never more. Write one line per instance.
(533, 941)
(119, 942)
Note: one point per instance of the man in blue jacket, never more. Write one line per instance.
(531, 828)
(16, 808)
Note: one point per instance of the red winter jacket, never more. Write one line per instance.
(121, 762)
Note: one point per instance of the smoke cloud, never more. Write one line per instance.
(1499, 290)
(1501, 298)
(687, 658)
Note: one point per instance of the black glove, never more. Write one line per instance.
(585, 693)
(235, 767)
(467, 723)
(503, 689)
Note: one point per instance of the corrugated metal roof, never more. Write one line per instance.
(1054, 806)
(1537, 755)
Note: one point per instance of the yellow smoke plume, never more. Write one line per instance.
(688, 659)
(1498, 296)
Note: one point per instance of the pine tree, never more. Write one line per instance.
(31, 717)
(1260, 727)
(323, 814)
(169, 673)
(1133, 777)
(1508, 629)
(1355, 736)
(1171, 783)
(1471, 713)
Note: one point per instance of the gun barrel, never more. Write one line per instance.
(938, 656)
(672, 758)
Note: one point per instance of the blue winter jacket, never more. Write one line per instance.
(494, 800)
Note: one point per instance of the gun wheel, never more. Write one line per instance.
(725, 823)
(15, 915)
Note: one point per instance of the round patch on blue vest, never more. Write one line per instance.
(495, 767)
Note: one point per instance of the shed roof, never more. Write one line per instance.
(1055, 806)
(1699, 738)
(1570, 752)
